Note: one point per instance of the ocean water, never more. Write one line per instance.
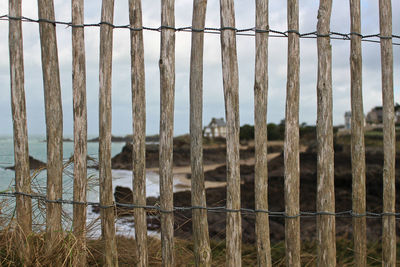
(37, 149)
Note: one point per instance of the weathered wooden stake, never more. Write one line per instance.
(325, 161)
(21, 152)
(389, 135)
(260, 128)
(357, 137)
(105, 176)
(231, 95)
(80, 130)
(202, 249)
(291, 148)
(167, 95)
(54, 121)
(139, 130)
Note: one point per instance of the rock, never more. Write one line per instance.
(211, 155)
(64, 140)
(123, 195)
(34, 164)
(115, 139)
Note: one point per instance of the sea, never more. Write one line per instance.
(37, 149)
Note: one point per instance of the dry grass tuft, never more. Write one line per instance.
(63, 252)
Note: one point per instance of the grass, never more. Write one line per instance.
(63, 252)
(372, 139)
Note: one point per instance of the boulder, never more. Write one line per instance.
(34, 164)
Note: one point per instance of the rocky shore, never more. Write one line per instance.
(216, 197)
(212, 155)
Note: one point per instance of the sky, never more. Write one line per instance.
(213, 102)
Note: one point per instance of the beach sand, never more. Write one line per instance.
(184, 184)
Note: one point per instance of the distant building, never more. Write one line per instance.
(347, 120)
(373, 118)
(216, 128)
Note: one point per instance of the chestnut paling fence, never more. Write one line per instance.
(325, 209)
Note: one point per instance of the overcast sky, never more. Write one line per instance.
(213, 90)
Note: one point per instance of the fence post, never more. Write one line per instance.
(260, 128)
(21, 152)
(54, 121)
(291, 148)
(389, 135)
(325, 161)
(105, 175)
(80, 130)
(202, 249)
(139, 130)
(231, 95)
(357, 138)
(167, 87)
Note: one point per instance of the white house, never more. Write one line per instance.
(216, 128)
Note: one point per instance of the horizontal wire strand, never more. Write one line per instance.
(223, 209)
(241, 32)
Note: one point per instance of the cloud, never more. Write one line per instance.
(213, 90)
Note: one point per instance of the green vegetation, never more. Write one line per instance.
(277, 131)
(274, 132)
(246, 132)
(373, 138)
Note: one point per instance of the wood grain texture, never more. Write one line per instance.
(357, 138)
(291, 147)
(167, 95)
(260, 128)
(389, 136)
(21, 151)
(80, 131)
(105, 176)
(202, 250)
(139, 130)
(54, 121)
(325, 158)
(231, 94)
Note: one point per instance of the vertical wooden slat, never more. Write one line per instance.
(325, 158)
(231, 95)
(139, 130)
(202, 249)
(167, 94)
(357, 137)
(291, 148)
(389, 136)
(260, 128)
(54, 121)
(80, 130)
(105, 175)
(21, 152)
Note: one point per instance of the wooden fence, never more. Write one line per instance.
(325, 193)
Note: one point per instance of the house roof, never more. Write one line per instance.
(217, 122)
